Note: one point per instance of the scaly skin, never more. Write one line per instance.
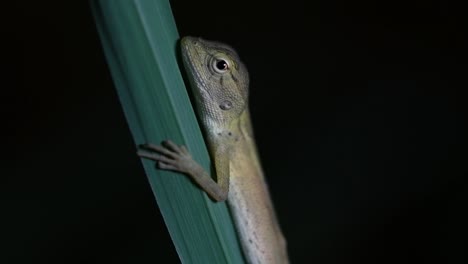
(220, 83)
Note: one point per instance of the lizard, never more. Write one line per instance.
(220, 84)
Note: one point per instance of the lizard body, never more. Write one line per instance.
(220, 83)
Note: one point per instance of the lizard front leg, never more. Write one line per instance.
(170, 156)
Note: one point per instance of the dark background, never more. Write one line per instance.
(357, 109)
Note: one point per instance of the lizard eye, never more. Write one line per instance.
(220, 65)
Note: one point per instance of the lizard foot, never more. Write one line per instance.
(169, 156)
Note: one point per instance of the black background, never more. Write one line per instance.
(357, 109)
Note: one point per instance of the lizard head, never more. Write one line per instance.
(219, 82)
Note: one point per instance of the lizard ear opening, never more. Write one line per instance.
(226, 105)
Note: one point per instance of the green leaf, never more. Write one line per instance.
(139, 39)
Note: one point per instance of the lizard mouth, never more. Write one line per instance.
(190, 55)
(193, 59)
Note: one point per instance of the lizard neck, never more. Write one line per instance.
(238, 130)
(245, 125)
